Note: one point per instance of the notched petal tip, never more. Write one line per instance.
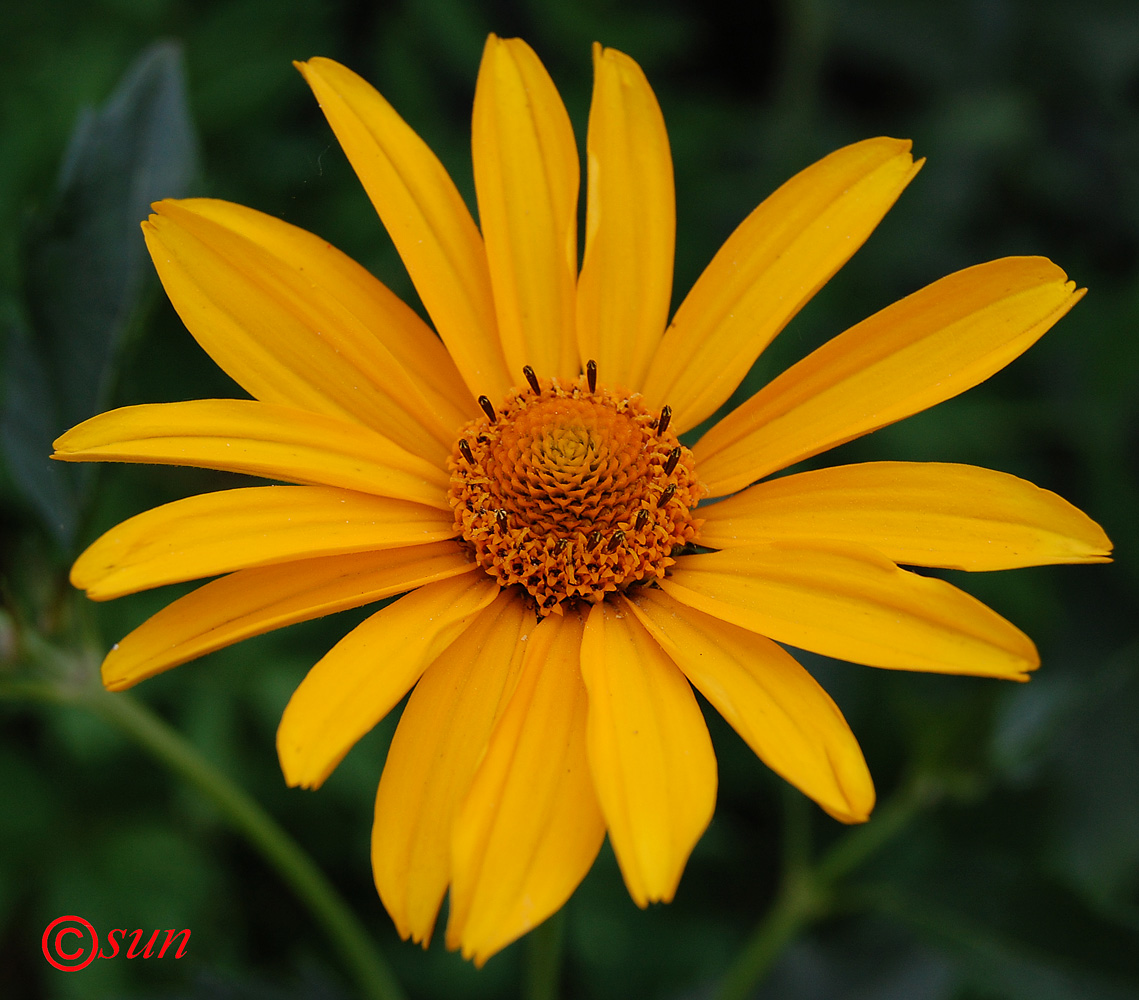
(311, 68)
(113, 677)
(855, 816)
(296, 767)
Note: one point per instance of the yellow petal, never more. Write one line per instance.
(649, 752)
(216, 533)
(425, 216)
(295, 322)
(530, 826)
(768, 269)
(258, 439)
(922, 350)
(526, 178)
(769, 699)
(254, 601)
(367, 672)
(919, 513)
(625, 288)
(852, 603)
(413, 365)
(439, 742)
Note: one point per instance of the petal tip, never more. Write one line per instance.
(295, 765)
(113, 676)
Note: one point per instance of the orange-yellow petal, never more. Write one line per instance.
(852, 603)
(367, 672)
(254, 601)
(216, 533)
(923, 349)
(258, 439)
(918, 513)
(625, 288)
(526, 178)
(415, 368)
(769, 699)
(295, 322)
(438, 745)
(649, 753)
(530, 826)
(425, 216)
(768, 269)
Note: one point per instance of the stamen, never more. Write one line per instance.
(567, 491)
(665, 417)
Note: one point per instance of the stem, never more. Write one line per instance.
(866, 840)
(282, 853)
(805, 893)
(796, 852)
(544, 959)
(290, 861)
(793, 910)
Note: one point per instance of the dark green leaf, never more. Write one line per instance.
(86, 269)
(26, 425)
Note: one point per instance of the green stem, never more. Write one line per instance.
(864, 841)
(544, 959)
(796, 853)
(283, 854)
(805, 893)
(290, 861)
(793, 910)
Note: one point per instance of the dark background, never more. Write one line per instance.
(1021, 882)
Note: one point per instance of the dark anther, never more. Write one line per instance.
(500, 517)
(669, 492)
(488, 409)
(591, 374)
(665, 417)
(673, 458)
(642, 520)
(465, 449)
(594, 539)
(616, 540)
(532, 379)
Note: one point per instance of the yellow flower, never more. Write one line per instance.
(520, 479)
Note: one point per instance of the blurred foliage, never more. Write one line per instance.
(1022, 882)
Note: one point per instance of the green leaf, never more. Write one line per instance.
(27, 423)
(86, 272)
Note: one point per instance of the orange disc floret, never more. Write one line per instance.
(572, 491)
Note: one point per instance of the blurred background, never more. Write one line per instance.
(1020, 879)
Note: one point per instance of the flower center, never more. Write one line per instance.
(572, 491)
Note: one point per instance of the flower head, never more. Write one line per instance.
(518, 474)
